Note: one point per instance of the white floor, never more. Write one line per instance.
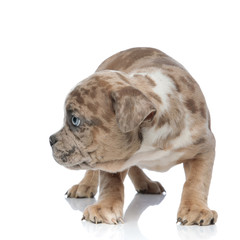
(33, 206)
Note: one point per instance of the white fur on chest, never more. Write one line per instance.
(155, 159)
(159, 159)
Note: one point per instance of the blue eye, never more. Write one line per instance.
(75, 121)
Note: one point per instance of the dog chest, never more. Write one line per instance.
(155, 159)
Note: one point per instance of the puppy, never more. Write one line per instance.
(140, 109)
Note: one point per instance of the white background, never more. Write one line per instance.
(47, 47)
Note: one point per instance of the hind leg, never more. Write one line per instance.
(194, 208)
(87, 188)
(142, 183)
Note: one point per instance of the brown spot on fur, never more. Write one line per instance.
(105, 129)
(103, 83)
(119, 83)
(129, 137)
(128, 91)
(93, 108)
(163, 60)
(93, 92)
(155, 96)
(200, 141)
(75, 94)
(107, 116)
(188, 81)
(124, 60)
(125, 79)
(98, 122)
(85, 91)
(151, 82)
(82, 129)
(203, 111)
(163, 120)
(190, 104)
(175, 82)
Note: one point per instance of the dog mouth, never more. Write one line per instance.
(73, 158)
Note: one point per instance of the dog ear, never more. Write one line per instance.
(131, 107)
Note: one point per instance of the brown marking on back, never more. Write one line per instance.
(150, 81)
(174, 117)
(183, 81)
(155, 96)
(160, 61)
(126, 59)
(191, 106)
(187, 80)
(200, 141)
(119, 83)
(202, 110)
(125, 79)
(143, 82)
(174, 81)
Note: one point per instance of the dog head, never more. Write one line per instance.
(103, 118)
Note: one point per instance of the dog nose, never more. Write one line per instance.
(52, 140)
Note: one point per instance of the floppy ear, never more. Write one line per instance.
(131, 107)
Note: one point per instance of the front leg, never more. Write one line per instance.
(87, 188)
(109, 207)
(193, 208)
(142, 183)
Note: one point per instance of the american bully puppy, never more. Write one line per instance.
(140, 109)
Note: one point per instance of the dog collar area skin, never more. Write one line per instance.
(140, 109)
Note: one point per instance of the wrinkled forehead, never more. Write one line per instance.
(78, 100)
(87, 97)
(93, 93)
(96, 85)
